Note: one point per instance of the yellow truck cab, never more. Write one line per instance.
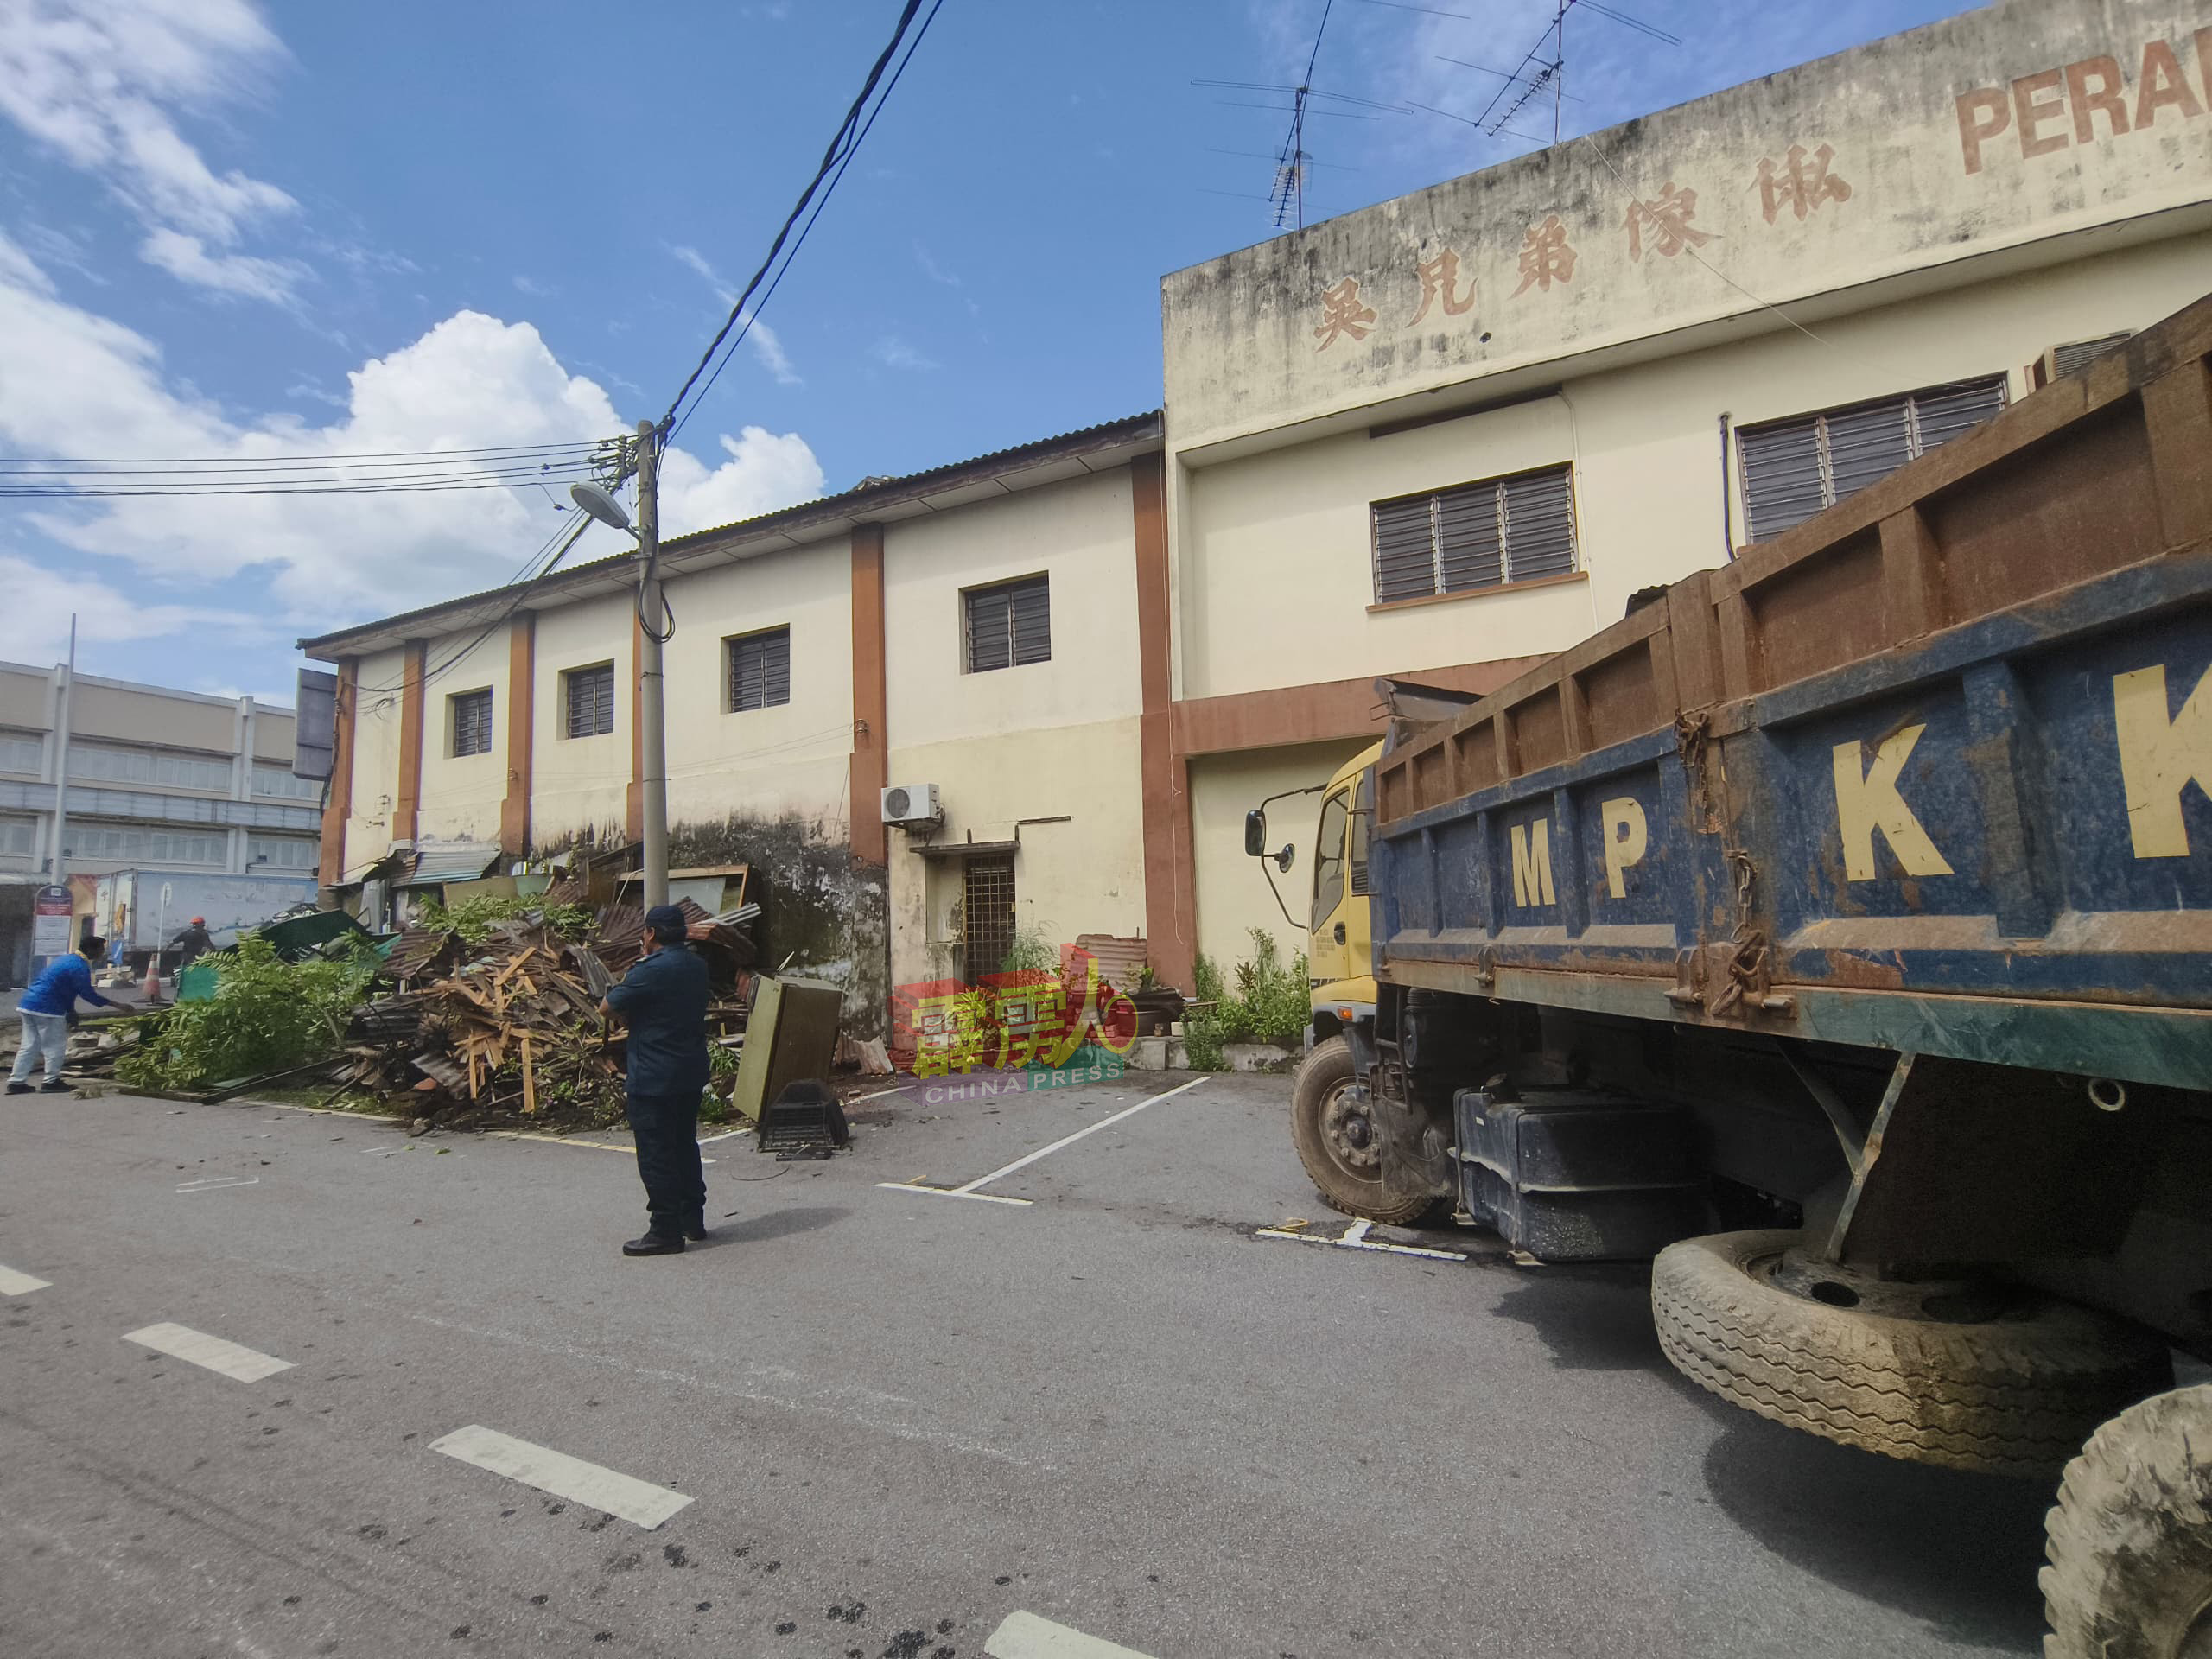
(1330, 1125)
(1340, 950)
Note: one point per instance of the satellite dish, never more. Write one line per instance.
(600, 505)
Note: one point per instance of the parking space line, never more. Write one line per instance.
(916, 1185)
(211, 1353)
(1024, 1636)
(20, 1284)
(639, 1502)
(969, 1191)
(1355, 1238)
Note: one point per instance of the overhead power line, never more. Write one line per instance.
(842, 146)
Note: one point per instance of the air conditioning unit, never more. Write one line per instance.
(912, 805)
(2076, 355)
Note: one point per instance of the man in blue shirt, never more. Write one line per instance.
(663, 1002)
(46, 1008)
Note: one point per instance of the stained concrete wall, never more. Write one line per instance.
(376, 762)
(1275, 578)
(1232, 888)
(462, 794)
(1998, 129)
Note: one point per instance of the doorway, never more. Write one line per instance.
(985, 914)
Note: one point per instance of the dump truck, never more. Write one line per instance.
(1836, 930)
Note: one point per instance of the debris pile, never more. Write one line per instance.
(510, 1030)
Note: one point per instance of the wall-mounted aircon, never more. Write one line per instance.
(2061, 361)
(912, 804)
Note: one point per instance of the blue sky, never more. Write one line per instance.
(228, 229)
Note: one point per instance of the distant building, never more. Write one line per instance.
(159, 780)
(1439, 438)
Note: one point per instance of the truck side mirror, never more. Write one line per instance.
(1284, 858)
(1255, 834)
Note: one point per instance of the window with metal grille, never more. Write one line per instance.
(22, 753)
(1008, 623)
(18, 837)
(1796, 467)
(472, 722)
(759, 670)
(1486, 534)
(590, 696)
(985, 914)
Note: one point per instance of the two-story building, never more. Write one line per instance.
(1437, 437)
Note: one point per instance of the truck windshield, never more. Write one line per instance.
(1329, 859)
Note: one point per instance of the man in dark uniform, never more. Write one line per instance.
(663, 1002)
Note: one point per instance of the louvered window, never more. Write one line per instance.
(471, 722)
(1480, 534)
(2077, 354)
(760, 670)
(1795, 468)
(590, 695)
(1009, 624)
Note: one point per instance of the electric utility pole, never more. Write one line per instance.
(652, 711)
(64, 708)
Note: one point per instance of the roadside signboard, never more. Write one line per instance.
(52, 913)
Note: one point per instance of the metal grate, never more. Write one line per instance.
(591, 701)
(1486, 534)
(1009, 624)
(471, 722)
(986, 915)
(1796, 467)
(760, 670)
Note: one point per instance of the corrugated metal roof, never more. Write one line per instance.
(863, 503)
(452, 860)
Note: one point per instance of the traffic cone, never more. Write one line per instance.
(152, 988)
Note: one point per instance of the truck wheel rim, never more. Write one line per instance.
(1349, 1135)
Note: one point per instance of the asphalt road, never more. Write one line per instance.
(900, 1418)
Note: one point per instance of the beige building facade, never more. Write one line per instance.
(1436, 438)
(1663, 341)
(158, 779)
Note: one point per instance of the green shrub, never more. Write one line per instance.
(1032, 952)
(473, 917)
(1203, 1029)
(1271, 1004)
(266, 1015)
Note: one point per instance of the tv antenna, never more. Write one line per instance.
(1287, 194)
(1536, 73)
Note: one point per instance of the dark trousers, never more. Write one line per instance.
(667, 1131)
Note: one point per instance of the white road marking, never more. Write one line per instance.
(217, 1183)
(950, 1193)
(20, 1284)
(969, 1191)
(639, 1502)
(1024, 1636)
(180, 1342)
(1355, 1238)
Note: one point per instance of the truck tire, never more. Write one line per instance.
(2015, 1395)
(1337, 1145)
(2129, 1539)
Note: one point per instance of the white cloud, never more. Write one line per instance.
(768, 346)
(40, 603)
(73, 382)
(895, 353)
(99, 82)
(933, 271)
(187, 259)
(764, 471)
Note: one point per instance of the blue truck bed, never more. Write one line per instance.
(1929, 772)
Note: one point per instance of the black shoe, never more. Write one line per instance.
(19, 1088)
(654, 1244)
(57, 1087)
(694, 1228)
